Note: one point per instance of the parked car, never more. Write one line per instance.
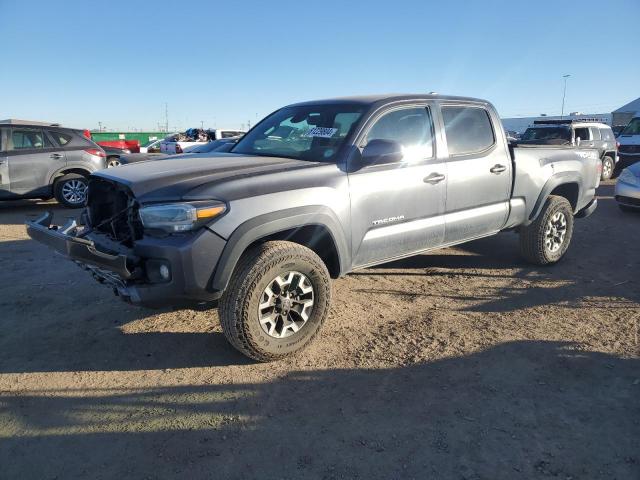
(114, 154)
(576, 132)
(140, 157)
(152, 147)
(194, 137)
(627, 192)
(629, 143)
(313, 192)
(212, 146)
(43, 160)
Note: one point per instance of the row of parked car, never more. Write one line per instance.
(39, 160)
(45, 160)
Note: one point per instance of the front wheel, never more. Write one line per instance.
(71, 190)
(547, 239)
(276, 301)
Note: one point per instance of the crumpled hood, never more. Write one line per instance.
(172, 178)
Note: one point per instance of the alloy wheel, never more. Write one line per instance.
(555, 232)
(286, 304)
(74, 191)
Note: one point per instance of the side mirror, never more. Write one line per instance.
(380, 152)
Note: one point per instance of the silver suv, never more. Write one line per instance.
(582, 133)
(44, 160)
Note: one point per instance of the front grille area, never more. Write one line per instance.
(629, 149)
(113, 211)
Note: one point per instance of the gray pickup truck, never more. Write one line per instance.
(312, 192)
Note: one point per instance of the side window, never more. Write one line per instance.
(411, 127)
(3, 140)
(607, 134)
(468, 130)
(23, 139)
(583, 133)
(595, 133)
(61, 138)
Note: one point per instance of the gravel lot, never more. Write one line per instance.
(465, 363)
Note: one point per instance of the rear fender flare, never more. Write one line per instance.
(272, 223)
(555, 181)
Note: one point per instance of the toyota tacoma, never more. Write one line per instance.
(313, 192)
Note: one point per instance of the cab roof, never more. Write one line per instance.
(371, 100)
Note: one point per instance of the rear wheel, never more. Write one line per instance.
(547, 239)
(276, 301)
(607, 168)
(71, 190)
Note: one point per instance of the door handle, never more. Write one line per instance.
(434, 178)
(57, 156)
(497, 169)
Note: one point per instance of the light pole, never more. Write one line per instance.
(564, 94)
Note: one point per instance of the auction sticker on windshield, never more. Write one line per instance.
(322, 132)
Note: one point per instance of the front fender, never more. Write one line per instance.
(272, 223)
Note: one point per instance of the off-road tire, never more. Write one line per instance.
(532, 237)
(58, 187)
(608, 166)
(238, 307)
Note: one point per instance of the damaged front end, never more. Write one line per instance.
(155, 268)
(104, 243)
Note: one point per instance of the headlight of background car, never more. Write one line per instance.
(180, 217)
(627, 177)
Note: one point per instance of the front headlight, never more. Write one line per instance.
(627, 177)
(180, 217)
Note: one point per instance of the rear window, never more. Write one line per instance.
(468, 129)
(607, 134)
(595, 133)
(547, 135)
(61, 138)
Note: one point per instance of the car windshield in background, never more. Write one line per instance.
(633, 128)
(310, 132)
(207, 147)
(547, 135)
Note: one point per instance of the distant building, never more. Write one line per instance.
(624, 114)
(621, 116)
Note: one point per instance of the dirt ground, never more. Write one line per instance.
(465, 363)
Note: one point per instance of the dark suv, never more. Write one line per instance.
(43, 160)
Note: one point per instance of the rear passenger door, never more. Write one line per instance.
(479, 166)
(31, 157)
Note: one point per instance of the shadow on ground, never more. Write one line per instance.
(518, 410)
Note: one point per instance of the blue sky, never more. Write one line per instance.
(228, 63)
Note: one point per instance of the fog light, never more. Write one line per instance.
(158, 271)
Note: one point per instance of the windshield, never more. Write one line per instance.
(150, 142)
(309, 132)
(547, 135)
(633, 128)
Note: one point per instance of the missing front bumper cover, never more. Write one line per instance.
(81, 250)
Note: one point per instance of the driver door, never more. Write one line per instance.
(397, 208)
